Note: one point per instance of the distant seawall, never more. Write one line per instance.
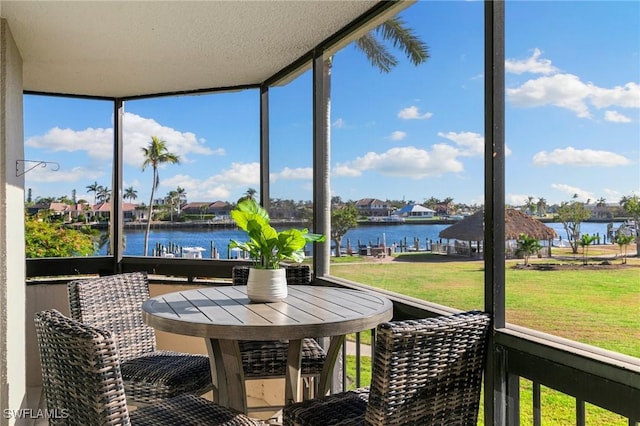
(228, 224)
(408, 222)
(196, 225)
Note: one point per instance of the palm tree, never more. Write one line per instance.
(94, 187)
(527, 246)
(104, 194)
(182, 197)
(130, 193)
(373, 46)
(623, 241)
(432, 203)
(87, 209)
(542, 206)
(631, 205)
(530, 205)
(173, 200)
(203, 209)
(448, 205)
(154, 155)
(585, 241)
(601, 203)
(250, 193)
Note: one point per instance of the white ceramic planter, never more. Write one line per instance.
(267, 285)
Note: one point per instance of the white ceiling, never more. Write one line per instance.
(130, 48)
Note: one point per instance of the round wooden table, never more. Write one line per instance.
(224, 315)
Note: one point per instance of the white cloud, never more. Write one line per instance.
(411, 113)
(533, 64)
(192, 186)
(613, 195)
(616, 117)
(407, 162)
(398, 135)
(216, 193)
(516, 199)
(566, 90)
(470, 143)
(137, 132)
(562, 90)
(238, 176)
(583, 195)
(76, 174)
(579, 157)
(339, 123)
(135, 183)
(345, 170)
(627, 96)
(301, 173)
(98, 143)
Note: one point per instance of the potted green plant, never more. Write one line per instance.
(267, 248)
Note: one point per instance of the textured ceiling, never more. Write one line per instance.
(131, 48)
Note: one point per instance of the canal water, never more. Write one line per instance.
(399, 234)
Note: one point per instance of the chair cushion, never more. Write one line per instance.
(269, 358)
(189, 410)
(344, 409)
(162, 374)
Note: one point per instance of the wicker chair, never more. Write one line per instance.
(425, 372)
(268, 359)
(114, 303)
(83, 384)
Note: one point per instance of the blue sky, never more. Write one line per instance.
(572, 119)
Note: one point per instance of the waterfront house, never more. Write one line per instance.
(70, 213)
(415, 210)
(119, 52)
(60, 211)
(445, 209)
(218, 209)
(373, 207)
(102, 211)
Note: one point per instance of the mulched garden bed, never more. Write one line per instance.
(603, 265)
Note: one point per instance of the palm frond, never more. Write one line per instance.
(376, 53)
(403, 38)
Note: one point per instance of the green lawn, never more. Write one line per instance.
(598, 307)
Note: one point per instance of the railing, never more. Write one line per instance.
(604, 379)
(582, 386)
(587, 374)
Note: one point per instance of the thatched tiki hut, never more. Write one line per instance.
(471, 228)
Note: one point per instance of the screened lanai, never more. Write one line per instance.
(119, 56)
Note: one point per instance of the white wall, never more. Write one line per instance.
(12, 260)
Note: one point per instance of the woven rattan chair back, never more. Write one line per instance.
(114, 303)
(428, 371)
(80, 372)
(425, 372)
(83, 384)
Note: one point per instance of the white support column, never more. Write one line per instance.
(321, 164)
(12, 254)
